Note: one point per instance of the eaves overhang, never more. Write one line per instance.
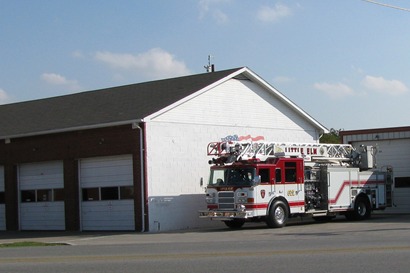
(133, 122)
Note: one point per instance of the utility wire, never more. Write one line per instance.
(387, 5)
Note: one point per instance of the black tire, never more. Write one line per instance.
(235, 223)
(278, 215)
(362, 209)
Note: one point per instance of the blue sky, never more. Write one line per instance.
(345, 62)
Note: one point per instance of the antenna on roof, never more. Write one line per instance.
(210, 67)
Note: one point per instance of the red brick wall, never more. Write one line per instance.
(69, 147)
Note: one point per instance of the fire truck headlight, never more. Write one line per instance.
(241, 207)
(242, 194)
(242, 197)
(210, 198)
(242, 200)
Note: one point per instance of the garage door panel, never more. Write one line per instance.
(103, 205)
(41, 185)
(394, 153)
(109, 215)
(41, 175)
(107, 180)
(42, 216)
(402, 198)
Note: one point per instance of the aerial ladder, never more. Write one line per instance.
(312, 153)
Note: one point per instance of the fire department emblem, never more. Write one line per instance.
(263, 193)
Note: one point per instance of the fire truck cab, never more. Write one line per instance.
(266, 183)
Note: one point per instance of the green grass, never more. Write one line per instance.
(25, 244)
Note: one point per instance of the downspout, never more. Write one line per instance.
(142, 177)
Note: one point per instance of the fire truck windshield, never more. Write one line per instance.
(232, 177)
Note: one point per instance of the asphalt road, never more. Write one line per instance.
(381, 244)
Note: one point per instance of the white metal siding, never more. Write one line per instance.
(177, 141)
(107, 214)
(2, 206)
(41, 215)
(396, 153)
(243, 104)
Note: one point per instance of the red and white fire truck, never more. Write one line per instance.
(271, 182)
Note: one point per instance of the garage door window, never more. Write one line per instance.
(126, 192)
(402, 182)
(108, 193)
(91, 194)
(42, 195)
(28, 196)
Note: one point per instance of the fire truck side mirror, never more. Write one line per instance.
(256, 180)
(201, 182)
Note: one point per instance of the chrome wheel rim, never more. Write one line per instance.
(361, 209)
(279, 215)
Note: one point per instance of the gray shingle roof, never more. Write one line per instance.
(105, 106)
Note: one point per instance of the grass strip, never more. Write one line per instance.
(27, 244)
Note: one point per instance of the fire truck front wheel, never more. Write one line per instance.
(278, 215)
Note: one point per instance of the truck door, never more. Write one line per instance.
(265, 187)
(293, 185)
(278, 183)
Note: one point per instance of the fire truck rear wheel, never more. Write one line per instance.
(235, 224)
(362, 208)
(278, 215)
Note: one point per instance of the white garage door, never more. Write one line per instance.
(41, 188)
(107, 193)
(2, 205)
(396, 153)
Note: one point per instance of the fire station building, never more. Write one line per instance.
(133, 157)
(392, 149)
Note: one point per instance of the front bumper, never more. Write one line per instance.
(223, 214)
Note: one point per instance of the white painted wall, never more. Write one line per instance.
(243, 104)
(177, 141)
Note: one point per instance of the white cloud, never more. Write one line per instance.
(208, 7)
(53, 78)
(155, 63)
(379, 84)
(56, 79)
(334, 90)
(4, 97)
(273, 14)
